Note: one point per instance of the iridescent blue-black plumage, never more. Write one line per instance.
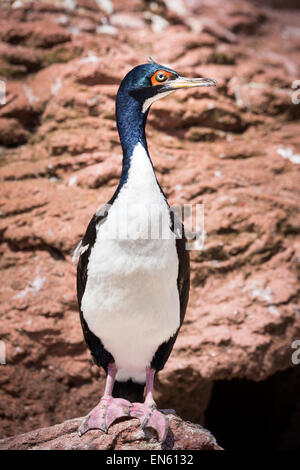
(134, 90)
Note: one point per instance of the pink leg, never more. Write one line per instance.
(108, 409)
(147, 412)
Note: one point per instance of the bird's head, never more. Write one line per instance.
(150, 82)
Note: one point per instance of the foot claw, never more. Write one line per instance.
(104, 414)
(158, 422)
(150, 417)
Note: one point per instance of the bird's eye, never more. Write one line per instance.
(161, 76)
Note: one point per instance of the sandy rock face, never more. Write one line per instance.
(235, 149)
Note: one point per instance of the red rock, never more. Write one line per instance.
(36, 34)
(127, 20)
(73, 145)
(263, 98)
(93, 73)
(12, 133)
(122, 436)
(204, 112)
(95, 176)
(88, 4)
(20, 56)
(210, 26)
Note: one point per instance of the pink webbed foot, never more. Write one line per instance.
(150, 417)
(105, 413)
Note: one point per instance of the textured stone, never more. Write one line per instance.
(126, 435)
(36, 34)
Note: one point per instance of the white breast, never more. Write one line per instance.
(131, 300)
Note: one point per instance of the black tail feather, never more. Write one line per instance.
(129, 390)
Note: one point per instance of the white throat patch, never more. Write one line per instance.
(151, 100)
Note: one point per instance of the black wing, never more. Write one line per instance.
(100, 356)
(183, 284)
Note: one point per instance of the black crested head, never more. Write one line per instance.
(151, 80)
(146, 80)
(142, 86)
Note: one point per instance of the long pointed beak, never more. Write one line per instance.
(183, 82)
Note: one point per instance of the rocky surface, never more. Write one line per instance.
(235, 149)
(125, 435)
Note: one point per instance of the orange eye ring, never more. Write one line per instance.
(160, 77)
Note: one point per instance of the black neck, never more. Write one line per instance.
(131, 123)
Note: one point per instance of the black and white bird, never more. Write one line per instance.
(133, 287)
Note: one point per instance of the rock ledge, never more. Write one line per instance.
(125, 435)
